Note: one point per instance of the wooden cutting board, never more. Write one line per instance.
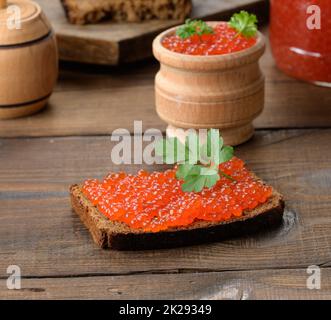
(114, 43)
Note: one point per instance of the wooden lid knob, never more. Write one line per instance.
(23, 26)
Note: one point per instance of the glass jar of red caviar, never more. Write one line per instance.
(300, 35)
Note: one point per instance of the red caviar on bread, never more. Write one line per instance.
(155, 201)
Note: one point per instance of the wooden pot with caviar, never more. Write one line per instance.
(210, 76)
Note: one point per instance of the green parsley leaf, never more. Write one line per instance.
(171, 150)
(199, 178)
(198, 165)
(192, 147)
(183, 171)
(190, 185)
(208, 171)
(226, 154)
(244, 23)
(211, 180)
(199, 184)
(194, 181)
(194, 172)
(194, 27)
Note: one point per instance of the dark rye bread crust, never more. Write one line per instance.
(93, 11)
(118, 236)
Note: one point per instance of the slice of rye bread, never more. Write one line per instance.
(93, 11)
(119, 236)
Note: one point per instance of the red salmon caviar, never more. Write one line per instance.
(155, 201)
(301, 51)
(224, 40)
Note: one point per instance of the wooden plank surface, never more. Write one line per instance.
(90, 101)
(242, 285)
(40, 156)
(39, 232)
(113, 43)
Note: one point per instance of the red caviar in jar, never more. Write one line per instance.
(224, 40)
(155, 201)
(300, 36)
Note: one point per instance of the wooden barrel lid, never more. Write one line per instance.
(21, 21)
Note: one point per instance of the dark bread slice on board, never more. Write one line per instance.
(93, 11)
(118, 236)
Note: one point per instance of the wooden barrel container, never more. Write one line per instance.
(28, 58)
(221, 91)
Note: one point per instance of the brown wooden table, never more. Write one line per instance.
(41, 156)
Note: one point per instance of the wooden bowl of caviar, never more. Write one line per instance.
(210, 76)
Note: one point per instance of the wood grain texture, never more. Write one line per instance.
(87, 101)
(28, 62)
(242, 285)
(3, 4)
(114, 43)
(39, 232)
